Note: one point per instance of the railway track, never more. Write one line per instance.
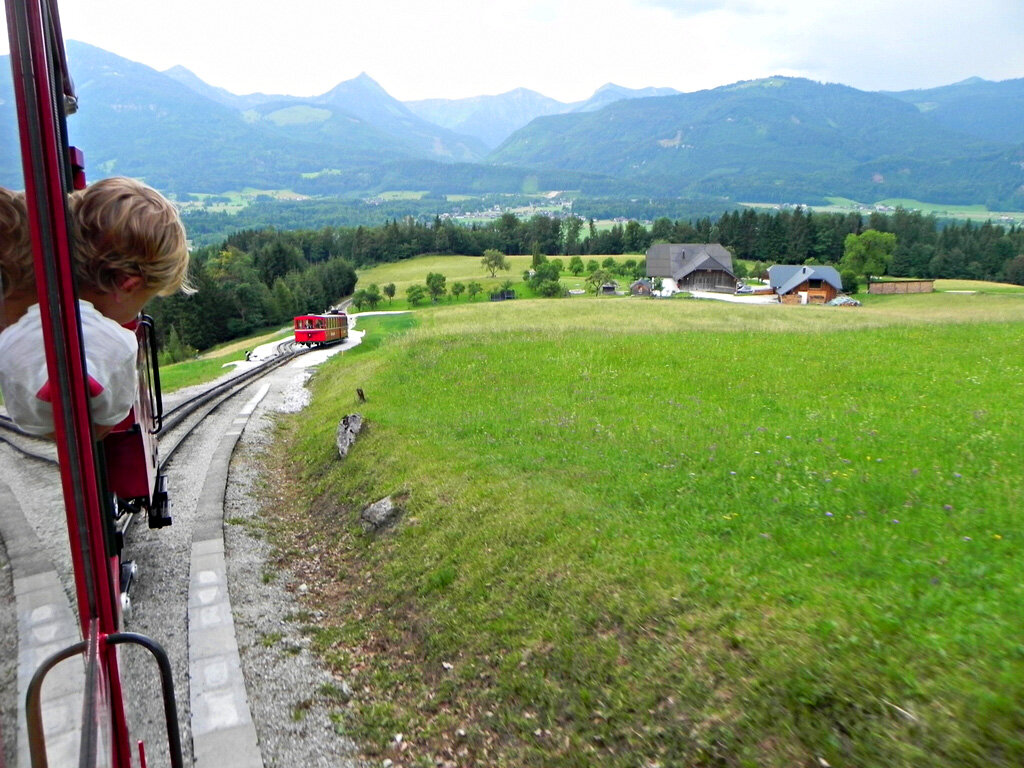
(42, 450)
(175, 569)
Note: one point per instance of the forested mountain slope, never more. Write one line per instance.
(992, 111)
(778, 139)
(783, 140)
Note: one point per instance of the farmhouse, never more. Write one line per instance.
(691, 266)
(800, 284)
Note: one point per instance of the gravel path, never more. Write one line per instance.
(8, 660)
(291, 696)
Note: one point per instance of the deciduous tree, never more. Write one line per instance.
(493, 260)
(415, 294)
(869, 253)
(436, 285)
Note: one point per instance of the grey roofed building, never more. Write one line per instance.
(783, 278)
(692, 265)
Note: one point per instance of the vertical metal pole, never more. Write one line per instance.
(33, 28)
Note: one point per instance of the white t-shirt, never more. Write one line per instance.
(110, 358)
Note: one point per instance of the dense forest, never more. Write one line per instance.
(256, 278)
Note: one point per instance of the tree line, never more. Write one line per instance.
(926, 247)
(255, 279)
(261, 277)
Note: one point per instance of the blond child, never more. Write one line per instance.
(129, 245)
(17, 289)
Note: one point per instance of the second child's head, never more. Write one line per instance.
(16, 274)
(129, 240)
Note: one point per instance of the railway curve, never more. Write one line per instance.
(273, 680)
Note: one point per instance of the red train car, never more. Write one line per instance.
(132, 461)
(315, 330)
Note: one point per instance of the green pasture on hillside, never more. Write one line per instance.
(675, 533)
(940, 210)
(980, 286)
(463, 269)
(215, 362)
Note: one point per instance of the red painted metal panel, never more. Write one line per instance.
(37, 62)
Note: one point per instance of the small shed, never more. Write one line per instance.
(610, 288)
(641, 287)
(901, 286)
(804, 284)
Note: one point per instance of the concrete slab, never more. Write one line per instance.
(223, 732)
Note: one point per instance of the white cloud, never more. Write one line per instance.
(563, 48)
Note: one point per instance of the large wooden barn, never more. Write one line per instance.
(691, 267)
(801, 284)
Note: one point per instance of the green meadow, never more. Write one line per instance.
(214, 362)
(673, 533)
(462, 269)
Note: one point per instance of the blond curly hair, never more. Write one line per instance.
(124, 227)
(15, 248)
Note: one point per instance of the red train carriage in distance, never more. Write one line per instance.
(316, 330)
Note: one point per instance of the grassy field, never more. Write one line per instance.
(673, 533)
(981, 286)
(463, 269)
(941, 210)
(213, 363)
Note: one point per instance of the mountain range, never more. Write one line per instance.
(776, 139)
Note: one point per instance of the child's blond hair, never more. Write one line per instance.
(16, 270)
(123, 227)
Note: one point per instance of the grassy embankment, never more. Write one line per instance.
(213, 363)
(675, 533)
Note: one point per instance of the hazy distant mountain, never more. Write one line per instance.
(491, 119)
(181, 134)
(609, 93)
(190, 80)
(778, 139)
(356, 113)
(993, 111)
(364, 98)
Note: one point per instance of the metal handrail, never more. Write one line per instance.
(87, 751)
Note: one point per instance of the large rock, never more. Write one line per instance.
(380, 515)
(348, 428)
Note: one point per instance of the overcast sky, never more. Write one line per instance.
(565, 49)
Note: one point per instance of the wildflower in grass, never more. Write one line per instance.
(997, 537)
(896, 521)
(957, 475)
(967, 538)
(828, 514)
(948, 507)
